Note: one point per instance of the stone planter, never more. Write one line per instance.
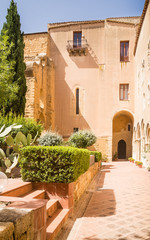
(67, 193)
(61, 191)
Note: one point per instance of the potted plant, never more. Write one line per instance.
(139, 164)
(131, 159)
(104, 158)
(115, 157)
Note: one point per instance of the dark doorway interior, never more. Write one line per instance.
(121, 149)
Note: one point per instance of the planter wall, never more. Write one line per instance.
(67, 193)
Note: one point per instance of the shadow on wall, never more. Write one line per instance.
(65, 100)
(87, 61)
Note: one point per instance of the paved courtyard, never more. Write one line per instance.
(119, 208)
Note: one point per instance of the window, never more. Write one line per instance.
(77, 36)
(77, 101)
(75, 130)
(129, 127)
(124, 51)
(124, 90)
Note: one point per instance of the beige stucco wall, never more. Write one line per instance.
(97, 75)
(142, 92)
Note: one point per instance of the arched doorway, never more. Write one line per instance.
(121, 149)
(122, 135)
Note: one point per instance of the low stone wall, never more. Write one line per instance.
(68, 193)
(25, 220)
(83, 181)
(16, 224)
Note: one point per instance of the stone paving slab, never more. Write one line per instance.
(119, 208)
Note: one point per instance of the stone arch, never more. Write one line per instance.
(121, 131)
(138, 131)
(142, 128)
(142, 135)
(147, 133)
(134, 133)
(138, 143)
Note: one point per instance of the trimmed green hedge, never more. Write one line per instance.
(98, 155)
(53, 164)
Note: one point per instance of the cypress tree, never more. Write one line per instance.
(8, 89)
(15, 37)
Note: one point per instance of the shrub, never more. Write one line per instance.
(50, 139)
(82, 139)
(53, 164)
(28, 125)
(98, 155)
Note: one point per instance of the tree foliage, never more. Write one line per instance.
(16, 55)
(8, 89)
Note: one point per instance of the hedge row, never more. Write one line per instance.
(98, 155)
(53, 164)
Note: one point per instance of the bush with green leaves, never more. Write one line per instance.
(50, 139)
(98, 155)
(82, 139)
(53, 164)
(28, 125)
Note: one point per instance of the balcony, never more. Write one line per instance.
(77, 48)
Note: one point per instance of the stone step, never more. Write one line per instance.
(17, 189)
(38, 194)
(55, 223)
(52, 206)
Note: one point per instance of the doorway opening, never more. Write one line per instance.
(122, 135)
(121, 149)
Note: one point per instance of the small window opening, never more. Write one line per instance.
(129, 127)
(77, 101)
(124, 91)
(75, 130)
(124, 51)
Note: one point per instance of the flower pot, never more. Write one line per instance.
(140, 166)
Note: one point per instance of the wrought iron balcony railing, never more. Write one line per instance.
(77, 47)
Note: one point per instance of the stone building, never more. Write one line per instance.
(90, 75)
(141, 140)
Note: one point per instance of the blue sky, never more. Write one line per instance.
(35, 14)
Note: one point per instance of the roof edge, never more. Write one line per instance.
(35, 33)
(141, 24)
(63, 24)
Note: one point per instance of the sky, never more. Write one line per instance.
(36, 14)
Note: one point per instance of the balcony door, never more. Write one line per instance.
(77, 39)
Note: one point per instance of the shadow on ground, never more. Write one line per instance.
(103, 202)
